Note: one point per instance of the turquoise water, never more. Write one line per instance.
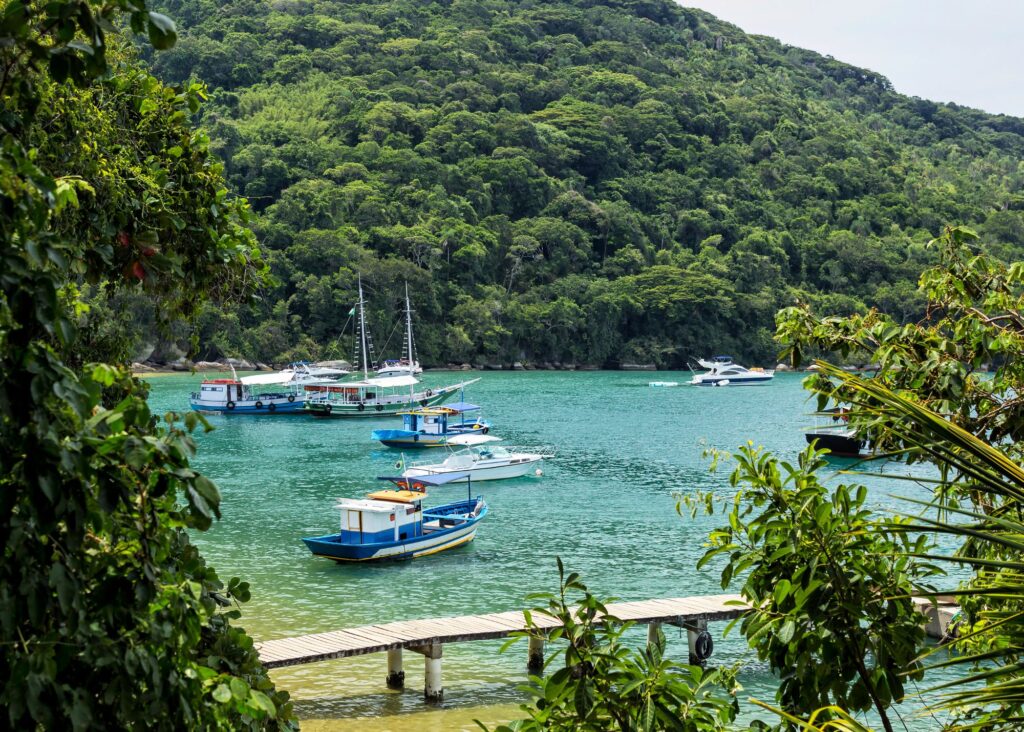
(606, 505)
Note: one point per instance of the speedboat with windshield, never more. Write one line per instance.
(394, 524)
(479, 459)
(722, 371)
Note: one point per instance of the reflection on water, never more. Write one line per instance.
(606, 505)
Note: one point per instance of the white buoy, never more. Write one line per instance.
(538, 472)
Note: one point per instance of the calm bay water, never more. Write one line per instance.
(606, 505)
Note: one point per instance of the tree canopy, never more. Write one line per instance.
(508, 157)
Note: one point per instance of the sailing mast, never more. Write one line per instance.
(362, 330)
(408, 331)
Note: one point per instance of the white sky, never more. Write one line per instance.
(966, 51)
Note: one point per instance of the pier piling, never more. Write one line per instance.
(433, 688)
(652, 632)
(535, 654)
(396, 676)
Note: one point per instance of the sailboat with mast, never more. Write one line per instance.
(379, 396)
(407, 364)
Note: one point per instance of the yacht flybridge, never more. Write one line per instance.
(721, 371)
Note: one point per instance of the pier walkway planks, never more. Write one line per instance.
(416, 634)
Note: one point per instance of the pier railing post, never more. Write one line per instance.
(535, 653)
(433, 688)
(396, 676)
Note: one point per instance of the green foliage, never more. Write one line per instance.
(555, 151)
(600, 684)
(991, 636)
(109, 617)
(828, 583)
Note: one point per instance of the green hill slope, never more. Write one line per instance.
(576, 181)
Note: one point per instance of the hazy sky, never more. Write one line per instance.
(964, 51)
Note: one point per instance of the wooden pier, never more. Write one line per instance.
(427, 636)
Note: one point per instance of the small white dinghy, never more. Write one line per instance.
(480, 459)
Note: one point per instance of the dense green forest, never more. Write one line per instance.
(571, 180)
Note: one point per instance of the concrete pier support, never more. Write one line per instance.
(433, 688)
(693, 632)
(396, 676)
(535, 654)
(652, 633)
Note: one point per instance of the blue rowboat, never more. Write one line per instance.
(433, 426)
(393, 524)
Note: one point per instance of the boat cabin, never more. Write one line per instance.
(222, 391)
(435, 420)
(382, 517)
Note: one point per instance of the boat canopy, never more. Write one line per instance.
(449, 409)
(433, 480)
(281, 377)
(467, 440)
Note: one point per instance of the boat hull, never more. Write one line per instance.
(387, 407)
(838, 444)
(329, 547)
(267, 405)
(731, 381)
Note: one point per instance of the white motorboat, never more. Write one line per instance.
(479, 459)
(297, 374)
(721, 371)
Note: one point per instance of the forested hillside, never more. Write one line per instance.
(571, 180)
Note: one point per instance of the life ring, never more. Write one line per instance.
(423, 402)
(379, 407)
(328, 409)
(361, 407)
(291, 397)
(272, 407)
(230, 405)
(429, 392)
(703, 646)
(259, 404)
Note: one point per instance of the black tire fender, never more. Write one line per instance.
(272, 407)
(230, 405)
(259, 404)
(291, 397)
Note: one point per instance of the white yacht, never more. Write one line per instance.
(479, 460)
(721, 371)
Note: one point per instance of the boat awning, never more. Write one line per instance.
(433, 480)
(384, 382)
(468, 440)
(281, 377)
(461, 407)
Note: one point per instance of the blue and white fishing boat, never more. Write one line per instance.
(278, 393)
(393, 524)
(434, 426)
(721, 371)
